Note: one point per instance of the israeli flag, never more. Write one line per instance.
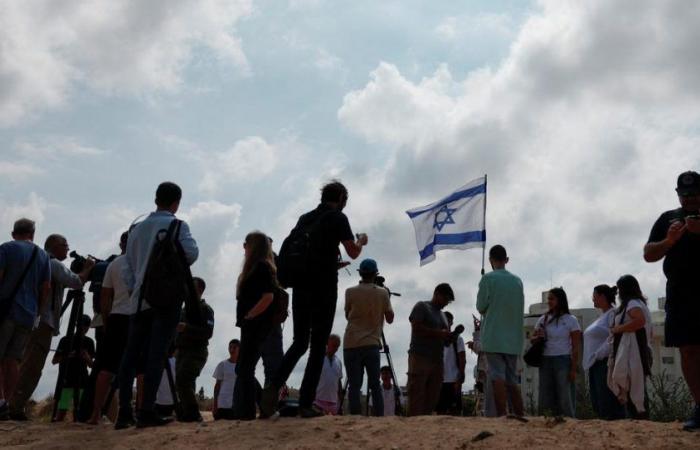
(458, 221)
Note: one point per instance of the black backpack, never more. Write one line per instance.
(295, 259)
(167, 281)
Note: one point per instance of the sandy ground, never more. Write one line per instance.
(354, 433)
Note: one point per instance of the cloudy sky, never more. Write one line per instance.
(581, 113)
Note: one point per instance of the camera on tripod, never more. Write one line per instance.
(380, 280)
(78, 263)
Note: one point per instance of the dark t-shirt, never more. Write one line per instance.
(681, 264)
(76, 367)
(431, 317)
(325, 238)
(251, 291)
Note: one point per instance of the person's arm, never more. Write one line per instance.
(655, 251)
(575, 351)
(482, 297)
(217, 388)
(189, 245)
(354, 248)
(204, 331)
(347, 304)
(462, 366)
(419, 329)
(637, 321)
(388, 312)
(106, 300)
(128, 273)
(261, 306)
(44, 292)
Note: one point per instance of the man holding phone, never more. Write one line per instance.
(676, 237)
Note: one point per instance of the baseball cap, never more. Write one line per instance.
(688, 183)
(446, 290)
(368, 266)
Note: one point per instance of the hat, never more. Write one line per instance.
(368, 266)
(446, 290)
(688, 183)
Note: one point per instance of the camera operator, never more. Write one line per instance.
(366, 307)
(429, 332)
(454, 362)
(314, 300)
(49, 322)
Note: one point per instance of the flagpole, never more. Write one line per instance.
(483, 249)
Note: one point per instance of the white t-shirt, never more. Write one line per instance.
(164, 396)
(558, 332)
(596, 345)
(331, 375)
(449, 359)
(389, 401)
(648, 326)
(121, 304)
(226, 373)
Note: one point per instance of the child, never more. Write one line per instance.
(225, 376)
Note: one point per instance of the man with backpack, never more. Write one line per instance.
(158, 254)
(309, 263)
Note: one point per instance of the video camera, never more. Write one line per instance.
(380, 280)
(97, 274)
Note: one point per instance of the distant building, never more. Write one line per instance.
(665, 358)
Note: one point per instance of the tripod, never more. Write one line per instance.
(77, 298)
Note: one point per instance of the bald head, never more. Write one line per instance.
(57, 245)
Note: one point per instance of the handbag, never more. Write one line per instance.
(6, 303)
(533, 355)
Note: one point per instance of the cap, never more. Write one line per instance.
(688, 183)
(368, 266)
(446, 290)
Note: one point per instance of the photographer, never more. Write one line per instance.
(315, 297)
(49, 323)
(366, 307)
(454, 362)
(676, 237)
(429, 332)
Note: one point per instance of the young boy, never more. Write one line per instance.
(329, 386)
(165, 403)
(225, 376)
(76, 361)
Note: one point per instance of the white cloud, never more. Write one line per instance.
(33, 208)
(18, 171)
(55, 147)
(115, 47)
(471, 27)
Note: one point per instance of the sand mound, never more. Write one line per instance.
(357, 432)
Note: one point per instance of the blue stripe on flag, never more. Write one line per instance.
(453, 239)
(471, 192)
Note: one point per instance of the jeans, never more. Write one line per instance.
(245, 392)
(150, 336)
(605, 404)
(357, 360)
(557, 393)
(272, 353)
(313, 311)
(424, 384)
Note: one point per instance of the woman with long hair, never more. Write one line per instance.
(255, 294)
(596, 350)
(631, 363)
(562, 334)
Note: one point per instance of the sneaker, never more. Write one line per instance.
(309, 413)
(147, 419)
(693, 424)
(187, 418)
(20, 416)
(4, 412)
(125, 419)
(268, 401)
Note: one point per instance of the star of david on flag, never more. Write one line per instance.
(457, 221)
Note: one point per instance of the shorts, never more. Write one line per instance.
(115, 342)
(13, 339)
(66, 400)
(502, 367)
(681, 327)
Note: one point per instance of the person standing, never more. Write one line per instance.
(429, 332)
(49, 323)
(501, 302)
(225, 376)
(314, 299)
(116, 309)
(25, 276)
(256, 291)
(675, 237)
(151, 331)
(631, 353)
(192, 342)
(366, 307)
(454, 363)
(596, 350)
(389, 392)
(330, 386)
(562, 334)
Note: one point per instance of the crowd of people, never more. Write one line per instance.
(153, 326)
